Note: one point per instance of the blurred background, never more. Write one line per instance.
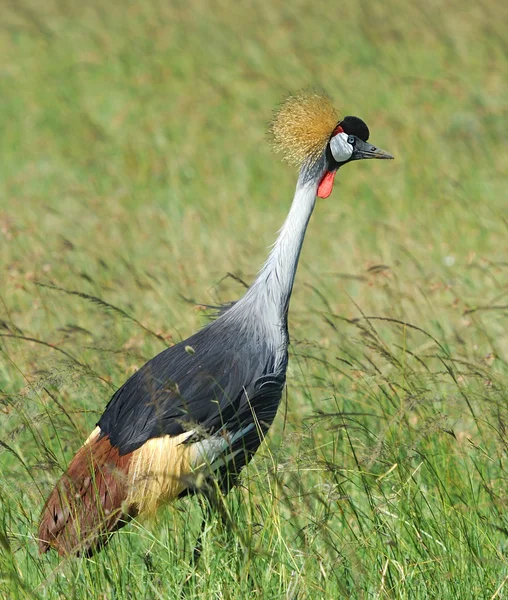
(136, 176)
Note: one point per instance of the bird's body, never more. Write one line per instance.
(198, 409)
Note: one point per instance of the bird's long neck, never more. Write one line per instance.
(269, 295)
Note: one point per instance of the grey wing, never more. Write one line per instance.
(242, 435)
(216, 385)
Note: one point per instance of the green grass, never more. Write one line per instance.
(134, 168)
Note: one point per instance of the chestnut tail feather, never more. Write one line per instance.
(88, 503)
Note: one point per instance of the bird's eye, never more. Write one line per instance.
(351, 140)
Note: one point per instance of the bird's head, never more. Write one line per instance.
(307, 131)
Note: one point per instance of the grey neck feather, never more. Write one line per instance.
(267, 300)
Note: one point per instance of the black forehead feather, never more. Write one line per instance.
(355, 126)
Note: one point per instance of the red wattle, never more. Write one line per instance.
(326, 186)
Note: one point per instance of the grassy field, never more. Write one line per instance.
(134, 168)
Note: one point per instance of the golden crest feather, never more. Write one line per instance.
(302, 125)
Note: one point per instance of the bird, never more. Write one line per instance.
(198, 411)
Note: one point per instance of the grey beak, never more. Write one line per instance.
(366, 150)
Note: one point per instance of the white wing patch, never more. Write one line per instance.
(159, 470)
(212, 453)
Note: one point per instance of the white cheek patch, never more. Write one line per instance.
(341, 148)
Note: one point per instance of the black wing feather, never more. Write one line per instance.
(218, 384)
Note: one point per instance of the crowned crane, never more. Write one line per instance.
(200, 409)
